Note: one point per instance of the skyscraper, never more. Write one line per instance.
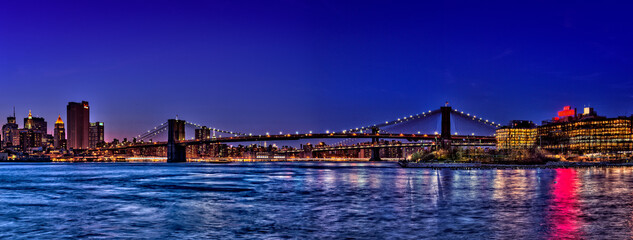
(96, 134)
(78, 117)
(38, 125)
(59, 134)
(28, 121)
(10, 136)
(203, 133)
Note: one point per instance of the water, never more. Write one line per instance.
(310, 200)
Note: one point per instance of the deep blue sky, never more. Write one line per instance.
(292, 65)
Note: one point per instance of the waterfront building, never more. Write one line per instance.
(59, 134)
(37, 124)
(203, 133)
(597, 135)
(29, 139)
(519, 134)
(97, 135)
(78, 117)
(10, 137)
(572, 133)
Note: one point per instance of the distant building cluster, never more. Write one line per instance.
(570, 133)
(78, 134)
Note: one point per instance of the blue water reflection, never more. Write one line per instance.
(311, 200)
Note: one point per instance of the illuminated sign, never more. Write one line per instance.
(567, 112)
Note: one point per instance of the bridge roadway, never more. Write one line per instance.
(289, 137)
(397, 145)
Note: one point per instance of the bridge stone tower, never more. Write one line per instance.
(446, 122)
(176, 152)
(375, 151)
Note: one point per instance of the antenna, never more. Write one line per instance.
(13, 111)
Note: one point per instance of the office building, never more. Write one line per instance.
(572, 133)
(97, 135)
(10, 136)
(519, 134)
(59, 134)
(203, 133)
(78, 128)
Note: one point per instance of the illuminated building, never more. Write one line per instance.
(37, 124)
(519, 134)
(78, 117)
(10, 137)
(597, 135)
(572, 133)
(29, 138)
(28, 121)
(96, 137)
(203, 133)
(59, 134)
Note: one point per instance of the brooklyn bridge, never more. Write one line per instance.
(441, 128)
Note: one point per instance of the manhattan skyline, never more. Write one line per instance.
(288, 66)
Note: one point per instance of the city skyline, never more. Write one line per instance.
(311, 65)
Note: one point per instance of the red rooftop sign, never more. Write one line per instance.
(567, 112)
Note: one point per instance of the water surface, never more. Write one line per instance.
(311, 200)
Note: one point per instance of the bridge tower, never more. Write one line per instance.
(176, 152)
(375, 151)
(446, 122)
(445, 136)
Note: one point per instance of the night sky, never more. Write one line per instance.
(257, 66)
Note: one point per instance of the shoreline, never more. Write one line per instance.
(402, 164)
(549, 165)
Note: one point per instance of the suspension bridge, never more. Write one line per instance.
(443, 127)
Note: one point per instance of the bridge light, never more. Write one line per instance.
(435, 132)
(267, 133)
(327, 131)
(472, 134)
(418, 132)
(387, 122)
(310, 132)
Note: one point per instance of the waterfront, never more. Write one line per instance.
(310, 200)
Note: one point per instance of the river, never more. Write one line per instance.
(310, 200)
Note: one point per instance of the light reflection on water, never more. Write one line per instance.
(311, 200)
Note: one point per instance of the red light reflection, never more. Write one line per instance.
(564, 210)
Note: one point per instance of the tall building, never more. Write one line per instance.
(29, 139)
(10, 136)
(28, 121)
(203, 133)
(38, 125)
(59, 134)
(78, 117)
(96, 134)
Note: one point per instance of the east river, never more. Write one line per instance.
(311, 200)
